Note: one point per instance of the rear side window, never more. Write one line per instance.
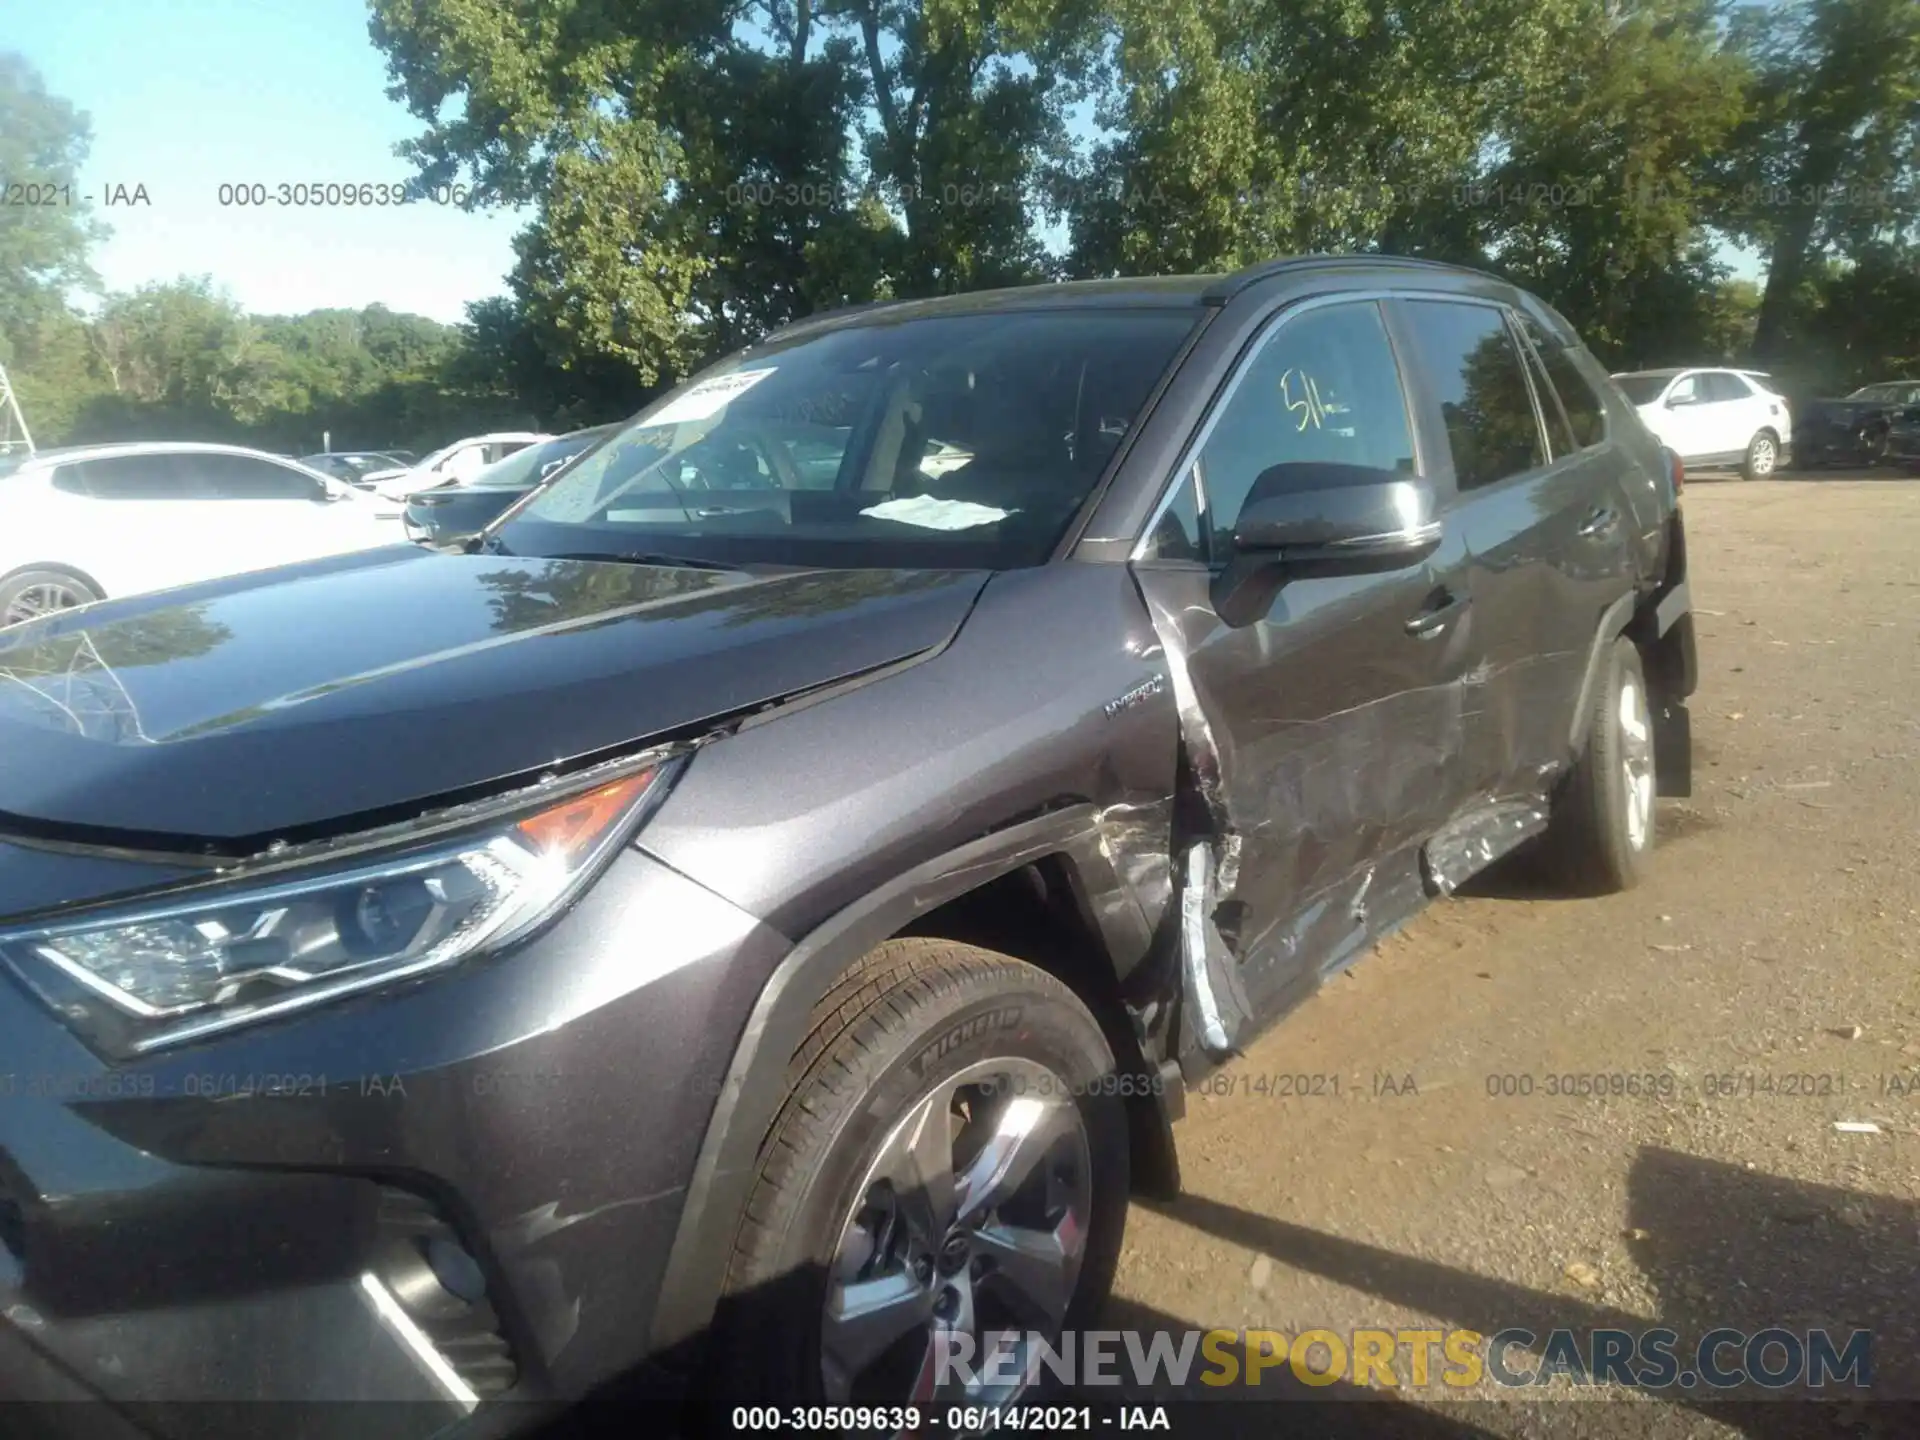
(1579, 401)
(1323, 387)
(1475, 368)
(241, 477)
(1559, 432)
(1577, 396)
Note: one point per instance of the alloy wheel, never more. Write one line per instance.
(1765, 456)
(42, 598)
(970, 1221)
(1636, 763)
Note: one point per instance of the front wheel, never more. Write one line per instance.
(1762, 458)
(943, 1192)
(1602, 823)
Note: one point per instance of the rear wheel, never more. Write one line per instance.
(1763, 456)
(33, 593)
(950, 1164)
(1603, 821)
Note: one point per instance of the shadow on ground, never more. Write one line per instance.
(1724, 1247)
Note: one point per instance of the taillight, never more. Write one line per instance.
(1679, 471)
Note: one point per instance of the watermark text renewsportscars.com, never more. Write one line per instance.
(1655, 1358)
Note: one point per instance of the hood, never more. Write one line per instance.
(246, 710)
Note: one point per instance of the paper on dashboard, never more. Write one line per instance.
(930, 512)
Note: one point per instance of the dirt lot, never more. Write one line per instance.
(1766, 971)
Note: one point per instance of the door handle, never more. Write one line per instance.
(1599, 522)
(1441, 612)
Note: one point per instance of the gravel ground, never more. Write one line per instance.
(1764, 976)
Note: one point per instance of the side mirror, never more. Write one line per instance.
(1304, 521)
(1675, 402)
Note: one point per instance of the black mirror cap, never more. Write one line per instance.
(1322, 512)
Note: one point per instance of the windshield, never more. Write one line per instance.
(966, 440)
(1642, 389)
(529, 466)
(1900, 394)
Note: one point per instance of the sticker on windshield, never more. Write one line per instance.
(708, 398)
(930, 512)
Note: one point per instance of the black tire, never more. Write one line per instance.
(64, 589)
(1762, 459)
(913, 1014)
(1592, 839)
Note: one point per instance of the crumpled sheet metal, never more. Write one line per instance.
(1209, 970)
(1478, 839)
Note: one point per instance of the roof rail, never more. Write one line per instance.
(1231, 285)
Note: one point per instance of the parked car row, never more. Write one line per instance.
(1720, 418)
(353, 466)
(449, 514)
(85, 523)
(449, 465)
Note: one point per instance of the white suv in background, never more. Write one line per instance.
(88, 522)
(1714, 417)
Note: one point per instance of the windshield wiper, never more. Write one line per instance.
(648, 557)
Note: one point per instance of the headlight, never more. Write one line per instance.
(138, 977)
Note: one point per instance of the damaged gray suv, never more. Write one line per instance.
(753, 918)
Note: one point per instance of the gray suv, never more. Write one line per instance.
(753, 917)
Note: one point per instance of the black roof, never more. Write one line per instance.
(1154, 291)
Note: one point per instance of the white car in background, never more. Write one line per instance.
(453, 464)
(90, 522)
(1713, 417)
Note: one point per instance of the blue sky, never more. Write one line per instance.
(187, 94)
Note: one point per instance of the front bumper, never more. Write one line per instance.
(456, 1199)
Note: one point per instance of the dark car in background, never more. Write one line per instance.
(757, 919)
(1857, 429)
(1903, 440)
(453, 514)
(353, 466)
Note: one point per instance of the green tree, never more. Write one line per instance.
(1607, 171)
(701, 173)
(43, 246)
(1828, 162)
(1235, 133)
